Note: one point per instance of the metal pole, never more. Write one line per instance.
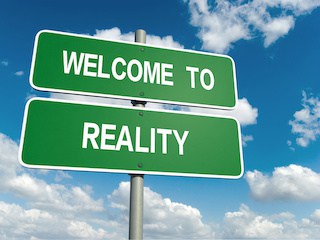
(136, 181)
(136, 208)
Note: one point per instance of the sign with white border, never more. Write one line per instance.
(79, 64)
(66, 135)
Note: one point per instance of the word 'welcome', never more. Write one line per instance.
(93, 65)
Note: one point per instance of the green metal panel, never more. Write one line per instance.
(212, 85)
(53, 135)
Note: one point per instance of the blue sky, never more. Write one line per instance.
(275, 46)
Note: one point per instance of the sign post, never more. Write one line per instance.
(136, 181)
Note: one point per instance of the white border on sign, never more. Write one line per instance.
(128, 97)
(126, 171)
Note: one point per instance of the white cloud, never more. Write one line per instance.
(297, 6)
(292, 182)
(246, 224)
(174, 219)
(61, 175)
(4, 63)
(246, 139)
(163, 218)
(306, 123)
(82, 230)
(19, 223)
(226, 22)
(289, 143)
(277, 28)
(220, 28)
(51, 196)
(8, 158)
(244, 112)
(115, 34)
(19, 73)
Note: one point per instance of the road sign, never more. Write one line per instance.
(78, 64)
(75, 136)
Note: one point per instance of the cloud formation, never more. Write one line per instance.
(163, 218)
(292, 182)
(19, 223)
(246, 139)
(4, 63)
(306, 122)
(246, 224)
(58, 211)
(19, 73)
(223, 23)
(244, 112)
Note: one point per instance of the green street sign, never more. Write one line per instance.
(65, 135)
(78, 64)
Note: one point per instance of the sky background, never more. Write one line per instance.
(276, 48)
